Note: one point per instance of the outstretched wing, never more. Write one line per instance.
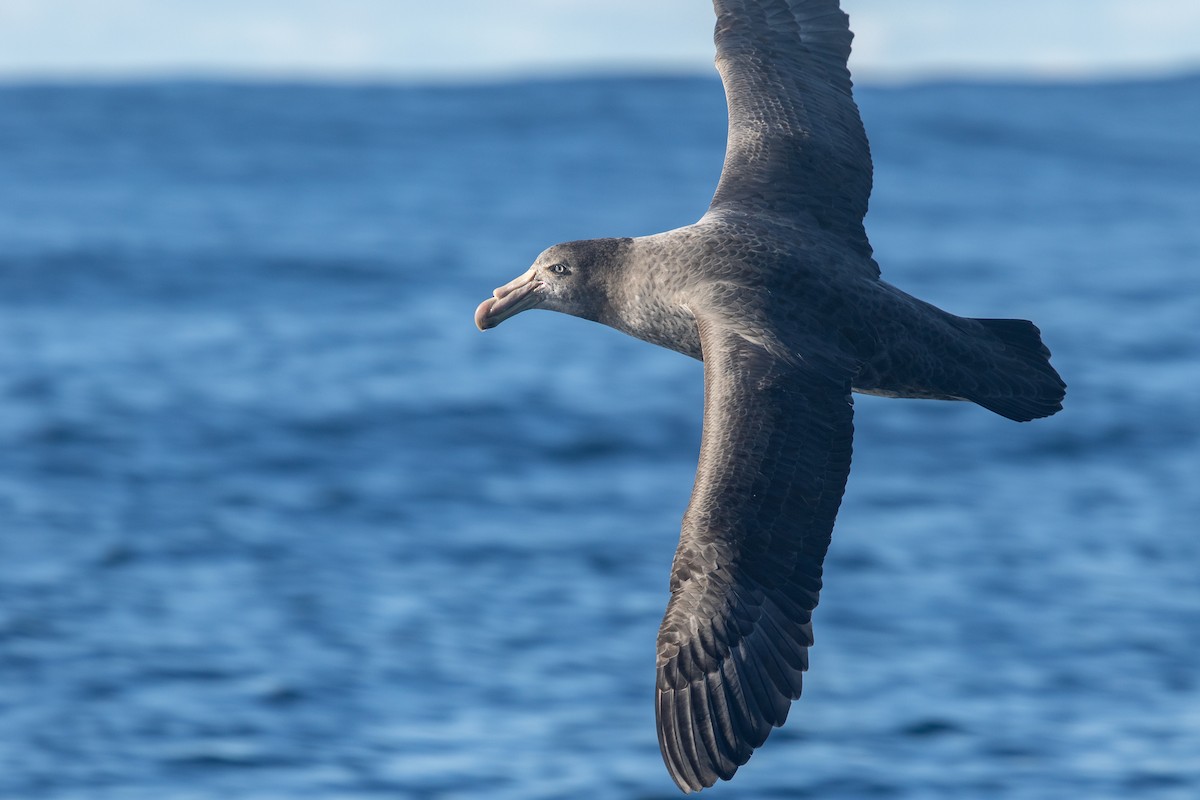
(773, 464)
(797, 148)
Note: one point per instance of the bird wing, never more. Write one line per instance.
(774, 458)
(797, 148)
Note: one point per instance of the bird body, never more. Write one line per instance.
(777, 291)
(753, 274)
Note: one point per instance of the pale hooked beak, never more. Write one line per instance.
(509, 300)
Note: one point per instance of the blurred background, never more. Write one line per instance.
(276, 521)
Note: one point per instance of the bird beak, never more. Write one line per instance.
(509, 300)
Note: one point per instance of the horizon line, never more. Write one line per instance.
(868, 78)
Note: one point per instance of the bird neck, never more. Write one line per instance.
(647, 298)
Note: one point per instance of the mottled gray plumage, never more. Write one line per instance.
(775, 289)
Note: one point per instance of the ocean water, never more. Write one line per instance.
(277, 522)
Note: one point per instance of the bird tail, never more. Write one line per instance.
(1030, 387)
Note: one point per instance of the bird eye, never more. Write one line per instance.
(559, 269)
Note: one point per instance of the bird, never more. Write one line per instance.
(777, 291)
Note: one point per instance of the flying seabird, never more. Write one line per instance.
(776, 289)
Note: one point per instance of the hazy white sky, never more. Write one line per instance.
(456, 38)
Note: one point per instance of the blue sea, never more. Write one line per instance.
(277, 522)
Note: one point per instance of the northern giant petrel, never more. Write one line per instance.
(776, 290)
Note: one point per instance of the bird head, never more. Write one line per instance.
(572, 278)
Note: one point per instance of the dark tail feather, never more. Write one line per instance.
(1033, 389)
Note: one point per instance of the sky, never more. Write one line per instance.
(474, 39)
